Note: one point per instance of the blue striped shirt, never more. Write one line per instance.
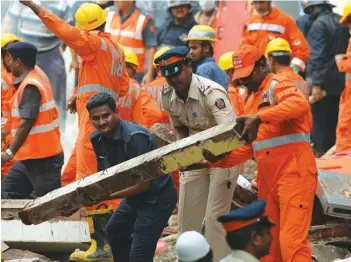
(21, 21)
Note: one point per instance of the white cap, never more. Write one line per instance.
(191, 246)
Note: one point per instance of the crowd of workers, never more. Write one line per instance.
(284, 83)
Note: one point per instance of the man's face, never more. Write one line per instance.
(104, 119)
(131, 69)
(255, 79)
(180, 12)
(262, 7)
(262, 243)
(4, 59)
(181, 82)
(196, 52)
(13, 64)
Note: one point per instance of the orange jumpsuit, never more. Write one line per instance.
(154, 89)
(285, 162)
(262, 29)
(7, 92)
(299, 82)
(102, 70)
(343, 129)
(236, 100)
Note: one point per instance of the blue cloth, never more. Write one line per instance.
(22, 50)
(130, 140)
(209, 69)
(169, 69)
(174, 34)
(304, 23)
(136, 226)
(251, 211)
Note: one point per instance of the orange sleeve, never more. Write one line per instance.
(137, 112)
(150, 111)
(344, 64)
(236, 157)
(290, 104)
(82, 42)
(245, 40)
(298, 44)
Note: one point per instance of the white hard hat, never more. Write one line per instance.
(191, 246)
(174, 3)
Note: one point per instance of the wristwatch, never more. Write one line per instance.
(9, 152)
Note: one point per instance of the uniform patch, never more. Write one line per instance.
(264, 97)
(219, 103)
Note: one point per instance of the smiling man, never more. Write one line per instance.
(136, 225)
(194, 104)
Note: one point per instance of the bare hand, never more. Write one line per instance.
(211, 157)
(74, 66)
(251, 124)
(147, 79)
(72, 104)
(4, 158)
(25, 2)
(317, 94)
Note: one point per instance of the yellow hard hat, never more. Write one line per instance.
(90, 16)
(202, 33)
(278, 46)
(160, 52)
(226, 61)
(346, 12)
(9, 38)
(131, 58)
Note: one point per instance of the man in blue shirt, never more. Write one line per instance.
(200, 42)
(137, 224)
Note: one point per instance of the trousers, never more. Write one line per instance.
(207, 193)
(136, 226)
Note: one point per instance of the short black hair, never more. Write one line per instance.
(101, 99)
(207, 258)
(28, 61)
(207, 43)
(282, 59)
(240, 239)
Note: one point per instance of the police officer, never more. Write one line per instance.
(194, 104)
(248, 232)
(136, 225)
(175, 29)
(201, 39)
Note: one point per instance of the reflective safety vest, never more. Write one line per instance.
(129, 34)
(44, 137)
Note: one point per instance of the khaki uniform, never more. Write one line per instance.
(204, 192)
(240, 256)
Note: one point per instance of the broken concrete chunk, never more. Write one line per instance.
(324, 253)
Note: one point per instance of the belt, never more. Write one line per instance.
(281, 140)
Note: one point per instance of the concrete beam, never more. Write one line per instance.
(93, 189)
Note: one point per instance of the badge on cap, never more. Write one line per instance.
(219, 103)
(237, 62)
(164, 62)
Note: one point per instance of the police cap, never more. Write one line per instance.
(22, 50)
(170, 63)
(246, 216)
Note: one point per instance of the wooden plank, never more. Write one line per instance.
(92, 189)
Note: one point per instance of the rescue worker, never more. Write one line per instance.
(194, 104)
(137, 106)
(154, 88)
(135, 227)
(226, 64)
(191, 246)
(270, 23)
(326, 82)
(248, 232)
(7, 92)
(207, 13)
(102, 70)
(287, 172)
(200, 42)
(343, 130)
(175, 29)
(304, 21)
(34, 124)
(278, 55)
(135, 30)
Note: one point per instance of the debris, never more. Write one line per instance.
(163, 134)
(95, 188)
(324, 253)
(17, 255)
(169, 255)
(325, 232)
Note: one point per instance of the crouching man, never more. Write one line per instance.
(136, 225)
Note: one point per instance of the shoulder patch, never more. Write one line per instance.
(166, 89)
(220, 104)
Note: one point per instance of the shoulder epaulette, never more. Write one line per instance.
(166, 89)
